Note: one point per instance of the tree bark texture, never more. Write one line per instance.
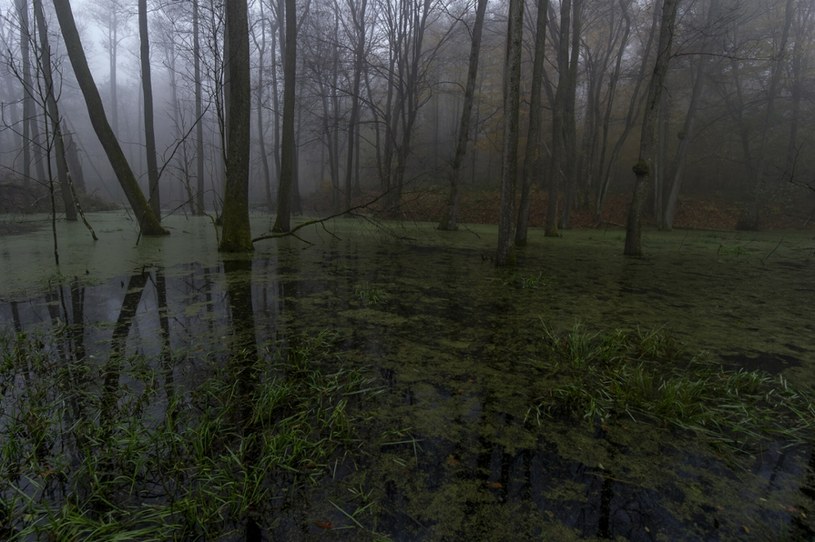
(236, 236)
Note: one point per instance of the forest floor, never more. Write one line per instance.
(793, 209)
(788, 209)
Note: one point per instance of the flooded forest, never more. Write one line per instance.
(407, 270)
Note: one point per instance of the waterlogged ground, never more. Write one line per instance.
(428, 368)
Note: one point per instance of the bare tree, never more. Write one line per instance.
(148, 221)
(449, 221)
(52, 113)
(512, 100)
(643, 167)
(199, 113)
(533, 158)
(288, 142)
(147, 92)
(562, 164)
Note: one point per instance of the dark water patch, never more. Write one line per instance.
(446, 447)
(19, 228)
(770, 362)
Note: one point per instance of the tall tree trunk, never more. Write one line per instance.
(148, 221)
(28, 99)
(560, 153)
(113, 60)
(264, 156)
(512, 99)
(147, 91)
(63, 173)
(287, 154)
(276, 111)
(449, 221)
(569, 118)
(685, 137)
(237, 235)
(534, 155)
(199, 121)
(634, 106)
(643, 167)
(359, 57)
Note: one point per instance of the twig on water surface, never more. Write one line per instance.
(765, 258)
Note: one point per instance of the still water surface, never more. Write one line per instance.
(449, 343)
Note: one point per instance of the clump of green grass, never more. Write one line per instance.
(369, 294)
(532, 282)
(648, 377)
(193, 466)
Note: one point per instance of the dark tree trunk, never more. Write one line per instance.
(264, 157)
(643, 167)
(199, 126)
(533, 158)
(287, 154)
(450, 220)
(148, 221)
(149, 132)
(52, 110)
(512, 98)
(236, 236)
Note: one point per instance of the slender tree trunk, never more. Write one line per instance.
(287, 151)
(147, 91)
(28, 99)
(148, 221)
(534, 155)
(685, 137)
(276, 111)
(52, 109)
(199, 126)
(28, 103)
(634, 106)
(264, 157)
(560, 151)
(113, 60)
(569, 119)
(74, 163)
(237, 235)
(643, 167)
(512, 99)
(359, 58)
(449, 221)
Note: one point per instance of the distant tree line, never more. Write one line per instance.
(265, 100)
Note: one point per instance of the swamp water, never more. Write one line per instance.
(387, 382)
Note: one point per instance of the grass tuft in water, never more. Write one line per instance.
(369, 294)
(646, 376)
(185, 465)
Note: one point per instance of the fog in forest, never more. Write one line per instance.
(407, 270)
(380, 89)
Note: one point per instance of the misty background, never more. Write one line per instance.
(734, 125)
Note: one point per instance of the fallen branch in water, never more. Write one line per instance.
(321, 221)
